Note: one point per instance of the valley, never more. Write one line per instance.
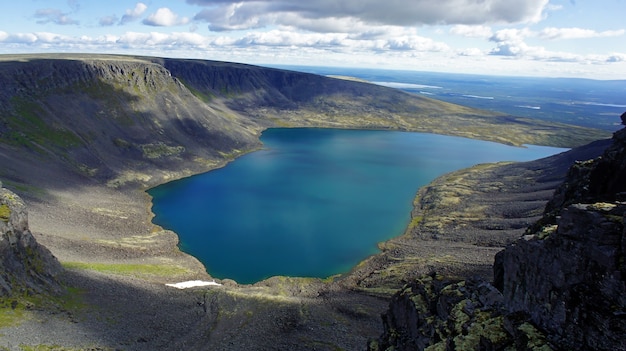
(83, 136)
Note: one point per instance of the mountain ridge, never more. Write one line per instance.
(82, 137)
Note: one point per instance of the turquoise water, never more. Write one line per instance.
(313, 202)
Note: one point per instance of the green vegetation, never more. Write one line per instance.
(14, 309)
(26, 127)
(203, 96)
(5, 212)
(159, 149)
(415, 221)
(128, 269)
(24, 188)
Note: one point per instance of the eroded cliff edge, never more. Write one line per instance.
(562, 286)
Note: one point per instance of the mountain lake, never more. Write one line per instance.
(313, 202)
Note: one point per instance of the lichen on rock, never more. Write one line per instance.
(25, 266)
(562, 286)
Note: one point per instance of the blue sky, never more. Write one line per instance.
(556, 38)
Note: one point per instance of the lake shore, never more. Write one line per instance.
(119, 262)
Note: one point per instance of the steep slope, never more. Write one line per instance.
(286, 98)
(560, 287)
(25, 266)
(119, 119)
(569, 274)
(111, 120)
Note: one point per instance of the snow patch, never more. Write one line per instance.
(192, 284)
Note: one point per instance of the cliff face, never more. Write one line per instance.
(569, 274)
(114, 121)
(25, 266)
(562, 286)
(135, 120)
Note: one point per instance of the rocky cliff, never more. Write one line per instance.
(125, 120)
(569, 274)
(562, 286)
(25, 266)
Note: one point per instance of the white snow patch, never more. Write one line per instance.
(193, 283)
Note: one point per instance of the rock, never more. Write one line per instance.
(572, 282)
(434, 313)
(563, 284)
(25, 266)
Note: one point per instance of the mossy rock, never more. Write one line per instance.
(5, 213)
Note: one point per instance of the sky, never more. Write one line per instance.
(547, 38)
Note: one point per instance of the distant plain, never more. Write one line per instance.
(583, 102)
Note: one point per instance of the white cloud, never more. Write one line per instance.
(510, 42)
(108, 20)
(471, 52)
(476, 31)
(577, 33)
(288, 38)
(414, 43)
(164, 17)
(406, 48)
(55, 16)
(134, 13)
(617, 57)
(317, 15)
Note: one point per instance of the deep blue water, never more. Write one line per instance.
(313, 202)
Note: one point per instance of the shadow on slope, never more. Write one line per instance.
(96, 120)
(119, 312)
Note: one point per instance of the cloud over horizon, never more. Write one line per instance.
(223, 15)
(472, 35)
(164, 17)
(56, 16)
(134, 13)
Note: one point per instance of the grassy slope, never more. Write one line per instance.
(145, 120)
(286, 98)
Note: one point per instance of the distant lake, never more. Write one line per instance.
(313, 202)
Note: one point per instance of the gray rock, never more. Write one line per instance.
(25, 266)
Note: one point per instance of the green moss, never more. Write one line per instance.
(127, 269)
(11, 312)
(158, 150)
(231, 155)
(547, 231)
(27, 127)
(24, 188)
(14, 309)
(536, 340)
(121, 143)
(5, 212)
(415, 221)
(204, 97)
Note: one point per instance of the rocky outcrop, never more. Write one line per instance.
(569, 274)
(25, 266)
(562, 286)
(436, 313)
